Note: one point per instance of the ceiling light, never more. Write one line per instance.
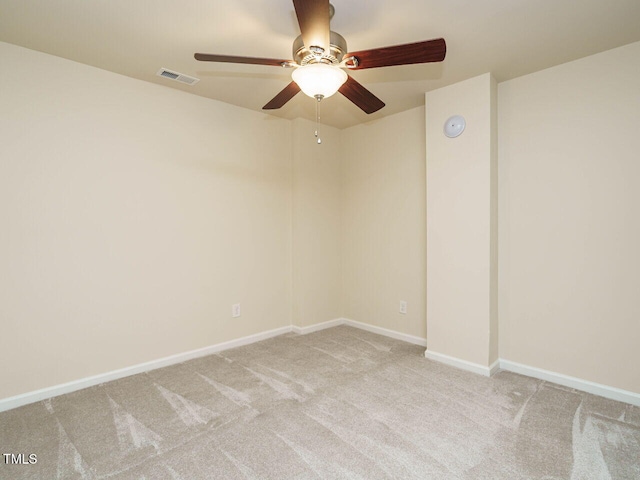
(319, 79)
(454, 126)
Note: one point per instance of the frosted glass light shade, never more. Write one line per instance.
(454, 126)
(319, 79)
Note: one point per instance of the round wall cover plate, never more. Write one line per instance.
(454, 126)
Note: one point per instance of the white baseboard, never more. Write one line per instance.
(54, 391)
(362, 326)
(462, 364)
(318, 326)
(386, 332)
(606, 391)
(572, 382)
(494, 367)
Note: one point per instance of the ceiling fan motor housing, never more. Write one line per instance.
(332, 59)
(304, 56)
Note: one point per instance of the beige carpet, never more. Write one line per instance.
(337, 404)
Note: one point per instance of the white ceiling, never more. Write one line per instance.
(137, 37)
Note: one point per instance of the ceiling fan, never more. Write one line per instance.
(320, 57)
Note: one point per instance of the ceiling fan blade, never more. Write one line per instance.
(359, 95)
(283, 97)
(208, 57)
(407, 54)
(313, 18)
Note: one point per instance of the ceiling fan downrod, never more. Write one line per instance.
(319, 49)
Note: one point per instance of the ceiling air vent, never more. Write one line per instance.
(178, 77)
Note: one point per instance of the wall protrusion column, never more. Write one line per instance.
(462, 226)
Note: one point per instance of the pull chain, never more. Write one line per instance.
(317, 133)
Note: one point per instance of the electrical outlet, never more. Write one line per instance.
(235, 310)
(403, 307)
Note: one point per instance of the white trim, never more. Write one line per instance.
(606, 391)
(463, 364)
(572, 382)
(362, 326)
(318, 326)
(386, 332)
(54, 391)
(494, 368)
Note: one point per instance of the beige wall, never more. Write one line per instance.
(132, 217)
(383, 222)
(460, 227)
(569, 150)
(317, 202)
